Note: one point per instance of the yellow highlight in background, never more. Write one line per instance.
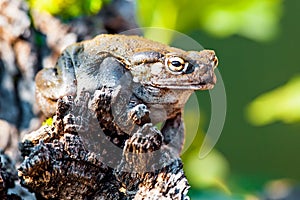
(281, 104)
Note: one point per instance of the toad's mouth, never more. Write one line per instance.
(200, 86)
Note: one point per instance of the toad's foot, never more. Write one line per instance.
(147, 139)
(140, 114)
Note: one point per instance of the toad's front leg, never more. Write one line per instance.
(129, 113)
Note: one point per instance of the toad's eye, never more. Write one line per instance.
(176, 64)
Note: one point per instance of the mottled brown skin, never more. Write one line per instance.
(78, 67)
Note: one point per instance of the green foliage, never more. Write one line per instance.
(254, 19)
(281, 104)
(67, 8)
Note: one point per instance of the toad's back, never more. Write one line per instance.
(124, 46)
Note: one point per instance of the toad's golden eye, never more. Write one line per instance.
(176, 64)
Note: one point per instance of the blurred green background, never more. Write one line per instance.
(256, 42)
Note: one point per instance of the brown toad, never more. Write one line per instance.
(149, 81)
(125, 84)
